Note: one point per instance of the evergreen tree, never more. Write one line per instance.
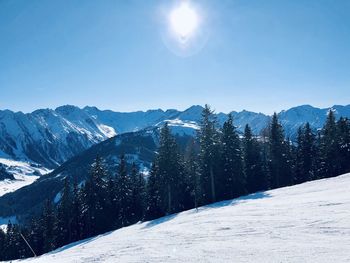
(209, 156)
(49, 222)
(305, 156)
(343, 138)
(170, 170)
(76, 213)
(112, 202)
(2, 245)
(253, 163)
(64, 215)
(138, 193)
(123, 194)
(329, 156)
(192, 172)
(279, 167)
(232, 176)
(94, 200)
(15, 247)
(153, 209)
(36, 237)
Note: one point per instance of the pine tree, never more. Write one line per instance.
(112, 202)
(232, 176)
(153, 209)
(279, 167)
(329, 156)
(343, 139)
(170, 171)
(36, 237)
(209, 156)
(64, 215)
(76, 220)
(94, 200)
(253, 163)
(138, 192)
(305, 156)
(49, 222)
(123, 194)
(2, 245)
(192, 171)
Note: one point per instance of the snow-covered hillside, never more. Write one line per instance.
(24, 174)
(303, 223)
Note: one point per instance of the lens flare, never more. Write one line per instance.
(184, 20)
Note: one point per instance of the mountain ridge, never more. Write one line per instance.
(52, 136)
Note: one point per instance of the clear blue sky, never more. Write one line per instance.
(259, 55)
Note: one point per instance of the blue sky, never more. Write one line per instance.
(259, 55)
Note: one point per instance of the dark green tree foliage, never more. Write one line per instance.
(138, 194)
(64, 215)
(305, 154)
(76, 214)
(49, 222)
(253, 162)
(232, 180)
(329, 150)
(343, 128)
(192, 171)
(153, 209)
(123, 194)
(94, 200)
(36, 236)
(170, 172)
(208, 138)
(279, 166)
(2, 243)
(14, 246)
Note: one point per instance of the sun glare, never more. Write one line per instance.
(184, 20)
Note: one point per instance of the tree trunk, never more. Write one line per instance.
(212, 181)
(169, 199)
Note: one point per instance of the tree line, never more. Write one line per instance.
(219, 164)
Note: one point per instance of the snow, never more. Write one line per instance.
(4, 221)
(24, 173)
(180, 127)
(303, 223)
(57, 197)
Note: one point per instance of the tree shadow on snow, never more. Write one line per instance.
(158, 221)
(258, 195)
(77, 243)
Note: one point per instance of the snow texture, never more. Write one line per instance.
(24, 173)
(303, 223)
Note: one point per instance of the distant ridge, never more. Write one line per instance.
(50, 137)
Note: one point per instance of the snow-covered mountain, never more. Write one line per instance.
(138, 147)
(302, 223)
(18, 174)
(50, 137)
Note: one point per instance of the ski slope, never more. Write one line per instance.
(304, 223)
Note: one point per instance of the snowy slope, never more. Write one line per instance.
(304, 223)
(23, 172)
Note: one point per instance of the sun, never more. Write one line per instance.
(184, 20)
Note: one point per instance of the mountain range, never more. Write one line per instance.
(68, 139)
(50, 137)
